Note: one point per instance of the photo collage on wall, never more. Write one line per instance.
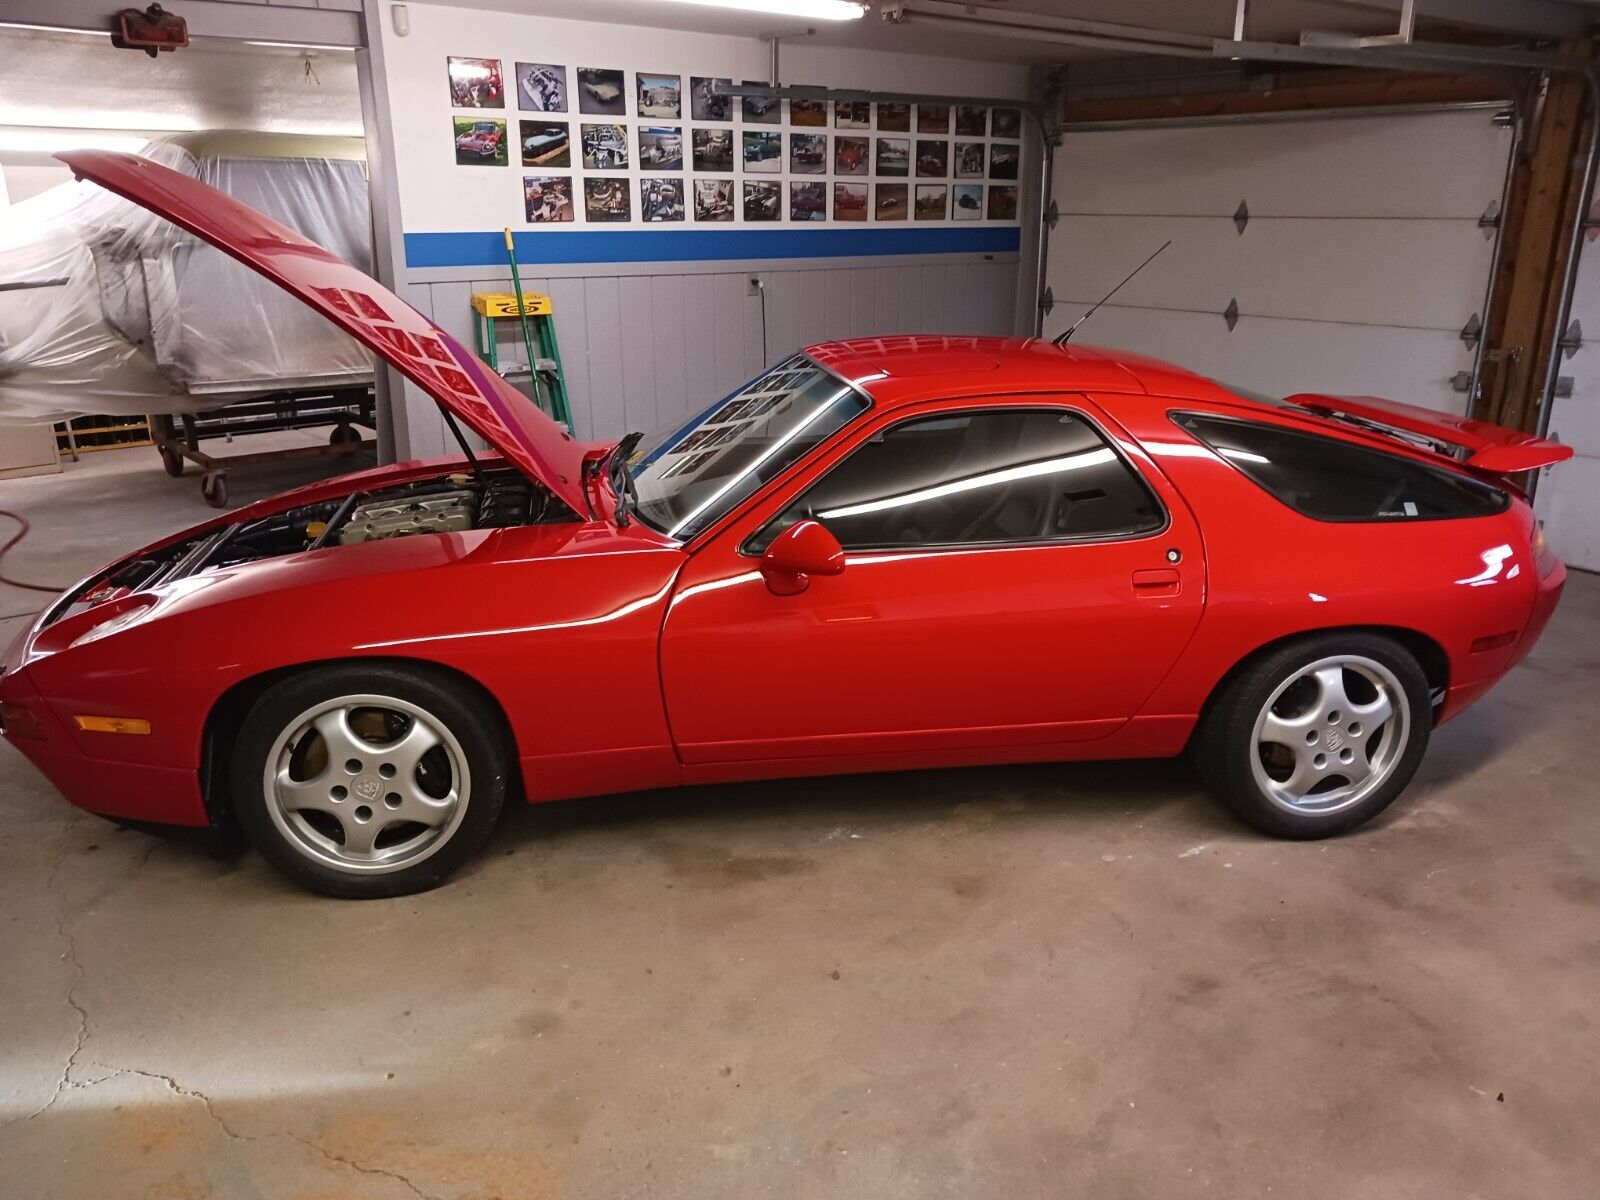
(601, 145)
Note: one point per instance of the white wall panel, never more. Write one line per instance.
(1272, 355)
(1447, 164)
(1360, 262)
(1568, 498)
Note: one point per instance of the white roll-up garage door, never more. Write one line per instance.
(1569, 493)
(1361, 260)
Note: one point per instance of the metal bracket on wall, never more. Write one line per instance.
(1052, 215)
(1563, 389)
(1490, 221)
(1472, 331)
(1047, 302)
(1241, 217)
(1231, 314)
(1572, 340)
(1461, 381)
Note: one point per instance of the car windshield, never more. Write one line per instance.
(689, 475)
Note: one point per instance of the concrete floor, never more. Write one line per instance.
(1028, 982)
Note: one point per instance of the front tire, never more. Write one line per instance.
(363, 781)
(1317, 736)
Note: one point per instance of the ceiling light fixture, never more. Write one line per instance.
(813, 10)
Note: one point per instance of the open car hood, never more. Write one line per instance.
(1491, 448)
(421, 351)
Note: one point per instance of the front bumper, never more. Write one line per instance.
(143, 792)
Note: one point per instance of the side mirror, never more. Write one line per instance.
(804, 549)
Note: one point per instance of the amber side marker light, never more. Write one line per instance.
(113, 724)
(17, 720)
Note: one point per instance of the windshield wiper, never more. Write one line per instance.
(621, 479)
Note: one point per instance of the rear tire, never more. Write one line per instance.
(363, 781)
(1317, 736)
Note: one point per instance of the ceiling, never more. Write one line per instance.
(1271, 20)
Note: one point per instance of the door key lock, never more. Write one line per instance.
(1174, 555)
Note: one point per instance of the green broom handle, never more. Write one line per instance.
(522, 314)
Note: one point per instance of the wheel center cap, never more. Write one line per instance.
(366, 787)
(1335, 739)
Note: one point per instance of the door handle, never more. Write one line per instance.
(1157, 581)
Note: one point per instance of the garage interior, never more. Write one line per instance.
(1040, 979)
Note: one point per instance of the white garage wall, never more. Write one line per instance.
(1569, 493)
(1360, 263)
(646, 343)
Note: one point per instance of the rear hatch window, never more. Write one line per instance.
(1332, 480)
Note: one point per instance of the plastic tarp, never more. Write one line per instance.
(107, 308)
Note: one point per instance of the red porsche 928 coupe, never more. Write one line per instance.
(880, 554)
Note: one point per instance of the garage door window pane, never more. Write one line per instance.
(1333, 480)
(983, 478)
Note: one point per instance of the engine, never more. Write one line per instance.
(449, 512)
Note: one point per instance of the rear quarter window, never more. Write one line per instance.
(1332, 480)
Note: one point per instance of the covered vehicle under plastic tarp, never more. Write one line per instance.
(106, 308)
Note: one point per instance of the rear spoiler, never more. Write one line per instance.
(1487, 447)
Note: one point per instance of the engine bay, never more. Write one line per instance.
(453, 503)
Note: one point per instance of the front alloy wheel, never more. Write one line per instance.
(365, 781)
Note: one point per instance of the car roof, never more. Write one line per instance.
(904, 369)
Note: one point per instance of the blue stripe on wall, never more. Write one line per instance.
(686, 245)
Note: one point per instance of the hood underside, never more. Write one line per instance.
(425, 354)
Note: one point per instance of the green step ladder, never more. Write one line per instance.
(546, 379)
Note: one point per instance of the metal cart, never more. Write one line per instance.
(343, 408)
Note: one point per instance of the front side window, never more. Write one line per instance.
(688, 476)
(986, 477)
(1332, 480)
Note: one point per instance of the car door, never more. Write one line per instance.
(1017, 572)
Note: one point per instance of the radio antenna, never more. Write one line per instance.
(1062, 339)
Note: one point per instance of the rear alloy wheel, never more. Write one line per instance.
(365, 782)
(1318, 736)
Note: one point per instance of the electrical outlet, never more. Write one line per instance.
(754, 288)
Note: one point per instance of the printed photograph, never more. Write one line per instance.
(660, 148)
(547, 198)
(808, 153)
(1005, 122)
(763, 153)
(889, 202)
(967, 202)
(849, 202)
(713, 149)
(1003, 203)
(969, 159)
(1003, 161)
(933, 118)
(809, 114)
(713, 199)
(759, 110)
(480, 141)
(931, 202)
(808, 201)
(660, 95)
(601, 92)
(972, 120)
(661, 199)
(933, 160)
(706, 105)
(475, 83)
(894, 156)
(763, 200)
(851, 156)
(894, 118)
(541, 87)
(545, 144)
(852, 114)
(605, 147)
(606, 199)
